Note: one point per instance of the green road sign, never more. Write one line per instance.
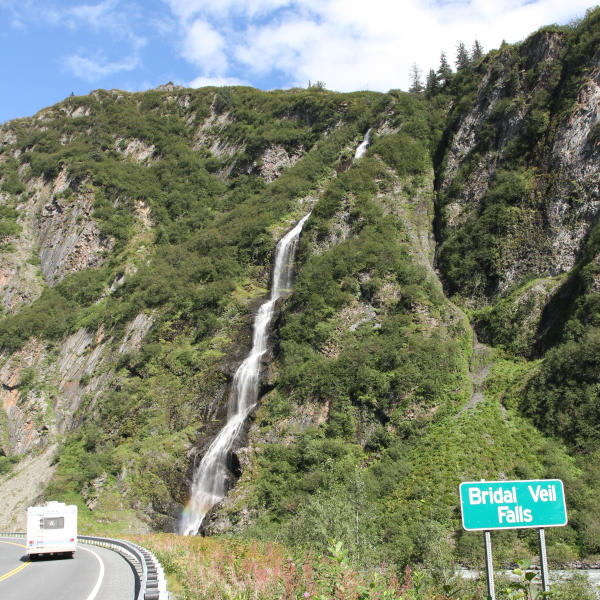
(512, 504)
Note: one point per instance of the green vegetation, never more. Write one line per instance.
(473, 257)
(201, 265)
(514, 321)
(10, 179)
(562, 397)
(56, 312)
(11, 184)
(6, 464)
(374, 405)
(227, 568)
(494, 255)
(208, 234)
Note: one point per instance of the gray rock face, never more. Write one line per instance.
(136, 149)
(57, 232)
(7, 136)
(570, 191)
(575, 201)
(40, 394)
(135, 332)
(23, 487)
(274, 160)
(68, 237)
(28, 424)
(42, 389)
(79, 356)
(495, 86)
(209, 135)
(20, 280)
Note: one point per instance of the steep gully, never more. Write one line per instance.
(210, 477)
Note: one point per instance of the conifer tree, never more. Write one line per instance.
(444, 72)
(476, 51)
(431, 84)
(416, 86)
(462, 57)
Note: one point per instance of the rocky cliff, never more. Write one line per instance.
(540, 151)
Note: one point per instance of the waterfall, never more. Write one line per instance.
(210, 477)
(363, 146)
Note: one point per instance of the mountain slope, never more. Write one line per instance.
(138, 233)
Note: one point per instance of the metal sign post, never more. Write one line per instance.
(544, 560)
(487, 537)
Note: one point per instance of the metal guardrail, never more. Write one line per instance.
(153, 585)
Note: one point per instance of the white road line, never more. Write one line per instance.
(96, 589)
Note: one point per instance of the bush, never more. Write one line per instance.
(402, 152)
(562, 397)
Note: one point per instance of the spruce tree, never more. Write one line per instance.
(444, 72)
(431, 85)
(416, 86)
(476, 51)
(462, 57)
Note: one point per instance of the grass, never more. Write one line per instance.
(220, 568)
(203, 568)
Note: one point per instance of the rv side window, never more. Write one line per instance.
(52, 523)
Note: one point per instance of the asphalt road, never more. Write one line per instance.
(93, 574)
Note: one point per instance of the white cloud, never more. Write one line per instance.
(89, 15)
(204, 46)
(282, 46)
(351, 44)
(115, 18)
(186, 9)
(94, 69)
(216, 81)
(16, 10)
(92, 13)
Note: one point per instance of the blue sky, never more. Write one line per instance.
(51, 48)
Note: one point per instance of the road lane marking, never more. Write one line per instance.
(96, 589)
(19, 568)
(14, 571)
(13, 544)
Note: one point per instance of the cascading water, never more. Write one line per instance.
(363, 146)
(211, 475)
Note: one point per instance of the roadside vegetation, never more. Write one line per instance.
(206, 568)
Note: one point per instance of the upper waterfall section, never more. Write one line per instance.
(363, 146)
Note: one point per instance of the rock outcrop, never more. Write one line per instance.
(24, 487)
(58, 236)
(274, 160)
(42, 388)
(28, 409)
(510, 111)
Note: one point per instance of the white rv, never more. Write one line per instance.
(52, 529)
